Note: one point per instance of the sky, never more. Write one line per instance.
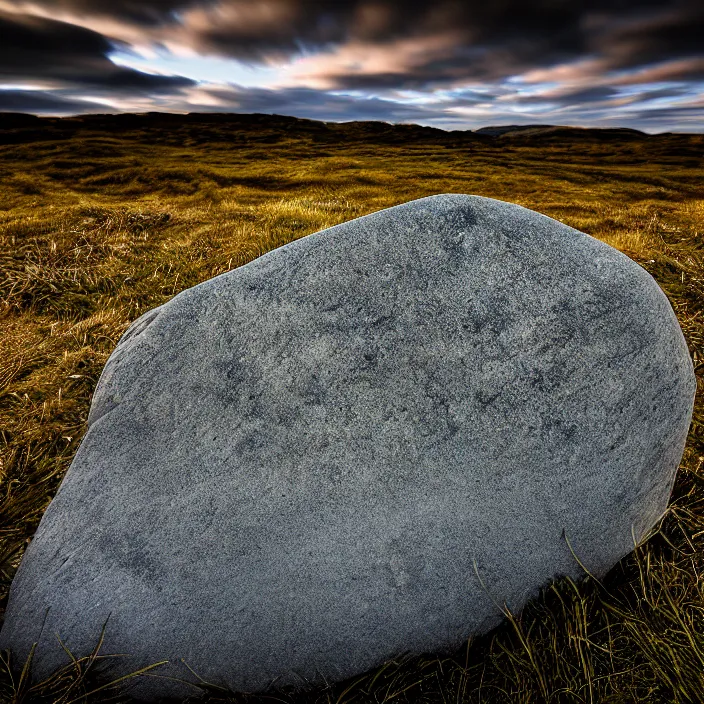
(457, 64)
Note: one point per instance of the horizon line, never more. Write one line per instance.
(511, 126)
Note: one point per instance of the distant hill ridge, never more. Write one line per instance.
(259, 127)
(543, 129)
(496, 131)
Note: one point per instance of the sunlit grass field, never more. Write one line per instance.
(102, 220)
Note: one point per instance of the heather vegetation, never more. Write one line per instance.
(103, 218)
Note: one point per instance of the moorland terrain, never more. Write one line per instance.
(103, 217)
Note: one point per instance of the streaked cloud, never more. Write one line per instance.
(34, 101)
(36, 48)
(636, 63)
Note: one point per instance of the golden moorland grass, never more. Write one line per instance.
(102, 220)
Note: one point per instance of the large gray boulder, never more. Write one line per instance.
(310, 464)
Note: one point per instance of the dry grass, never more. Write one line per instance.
(101, 225)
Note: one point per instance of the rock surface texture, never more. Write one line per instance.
(301, 468)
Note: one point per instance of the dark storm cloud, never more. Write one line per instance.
(580, 96)
(667, 114)
(149, 13)
(660, 93)
(688, 69)
(504, 39)
(314, 104)
(485, 41)
(33, 101)
(585, 95)
(538, 34)
(666, 31)
(34, 48)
